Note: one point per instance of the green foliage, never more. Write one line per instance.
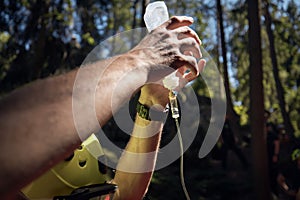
(286, 31)
(88, 38)
(239, 58)
(40, 38)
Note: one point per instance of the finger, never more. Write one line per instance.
(201, 65)
(178, 21)
(187, 61)
(191, 76)
(184, 32)
(188, 53)
(190, 45)
(181, 71)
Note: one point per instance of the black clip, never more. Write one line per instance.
(90, 191)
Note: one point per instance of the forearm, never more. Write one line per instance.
(38, 124)
(137, 163)
(36, 130)
(36, 121)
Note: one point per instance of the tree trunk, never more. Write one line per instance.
(134, 14)
(280, 91)
(144, 5)
(259, 150)
(134, 21)
(232, 115)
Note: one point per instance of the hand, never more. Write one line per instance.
(155, 94)
(173, 44)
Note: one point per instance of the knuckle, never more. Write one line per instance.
(167, 34)
(164, 34)
(189, 42)
(173, 19)
(188, 29)
(184, 30)
(170, 53)
(193, 42)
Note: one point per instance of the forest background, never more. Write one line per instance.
(43, 38)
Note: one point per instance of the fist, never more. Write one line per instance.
(171, 46)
